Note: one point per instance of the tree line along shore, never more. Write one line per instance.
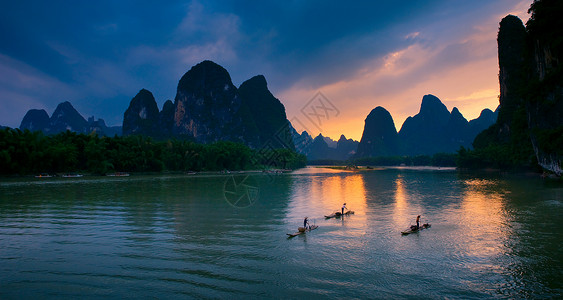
(30, 153)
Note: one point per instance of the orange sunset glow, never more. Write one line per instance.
(397, 81)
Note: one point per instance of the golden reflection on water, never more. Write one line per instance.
(484, 218)
(400, 208)
(323, 195)
(332, 192)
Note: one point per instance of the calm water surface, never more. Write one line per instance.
(203, 236)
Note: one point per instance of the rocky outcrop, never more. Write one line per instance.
(207, 106)
(457, 132)
(166, 119)
(65, 117)
(433, 130)
(425, 132)
(510, 129)
(544, 94)
(484, 121)
(530, 119)
(36, 120)
(319, 150)
(346, 148)
(266, 123)
(330, 142)
(379, 137)
(512, 74)
(301, 141)
(99, 127)
(142, 115)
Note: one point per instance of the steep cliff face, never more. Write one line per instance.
(35, 120)
(530, 117)
(207, 105)
(141, 117)
(510, 132)
(512, 73)
(379, 137)
(544, 94)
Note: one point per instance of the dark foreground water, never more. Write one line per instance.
(225, 236)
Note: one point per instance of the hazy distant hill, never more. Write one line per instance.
(319, 149)
(64, 118)
(433, 130)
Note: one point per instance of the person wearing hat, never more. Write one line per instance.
(343, 208)
(306, 222)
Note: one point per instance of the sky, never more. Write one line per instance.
(329, 62)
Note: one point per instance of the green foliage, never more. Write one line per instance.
(26, 152)
(550, 140)
(278, 158)
(546, 24)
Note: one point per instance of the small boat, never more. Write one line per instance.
(339, 214)
(72, 175)
(413, 229)
(43, 175)
(118, 174)
(302, 230)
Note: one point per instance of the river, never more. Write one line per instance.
(224, 236)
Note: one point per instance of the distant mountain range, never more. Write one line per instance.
(209, 108)
(433, 130)
(324, 148)
(64, 118)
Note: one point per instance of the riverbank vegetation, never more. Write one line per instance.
(27, 153)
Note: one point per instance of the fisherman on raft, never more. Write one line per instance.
(417, 226)
(306, 222)
(343, 208)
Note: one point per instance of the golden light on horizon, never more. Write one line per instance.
(461, 72)
(470, 87)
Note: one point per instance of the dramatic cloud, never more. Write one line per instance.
(98, 55)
